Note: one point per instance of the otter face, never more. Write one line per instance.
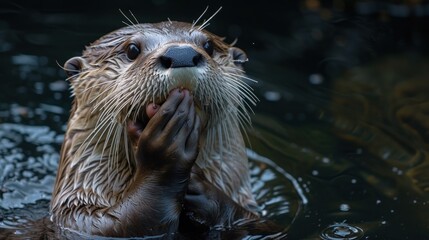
(132, 67)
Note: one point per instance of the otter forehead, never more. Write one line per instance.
(153, 35)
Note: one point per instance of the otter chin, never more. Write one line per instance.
(154, 140)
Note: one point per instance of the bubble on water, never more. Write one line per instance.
(378, 201)
(315, 172)
(353, 181)
(341, 231)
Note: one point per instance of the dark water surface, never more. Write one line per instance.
(339, 147)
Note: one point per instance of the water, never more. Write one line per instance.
(340, 137)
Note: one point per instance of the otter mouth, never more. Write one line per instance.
(136, 126)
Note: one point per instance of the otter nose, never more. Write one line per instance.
(180, 56)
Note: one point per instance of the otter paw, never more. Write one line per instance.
(205, 204)
(170, 138)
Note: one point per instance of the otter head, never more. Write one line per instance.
(123, 72)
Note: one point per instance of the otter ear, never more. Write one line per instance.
(74, 66)
(238, 55)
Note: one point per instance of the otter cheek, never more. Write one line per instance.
(151, 109)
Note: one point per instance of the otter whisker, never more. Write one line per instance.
(244, 88)
(246, 94)
(133, 105)
(95, 85)
(243, 77)
(105, 115)
(206, 22)
(108, 145)
(109, 99)
(103, 125)
(99, 129)
(240, 61)
(135, 19)
(127, 148)
(124, 99)
(113, 151)
(103, 100)
(198, 19)
(131, 23)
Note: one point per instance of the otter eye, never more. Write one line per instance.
(133, 51)
(208, 47)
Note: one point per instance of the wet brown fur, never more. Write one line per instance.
(98, 164)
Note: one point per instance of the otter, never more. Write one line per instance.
(154, 142)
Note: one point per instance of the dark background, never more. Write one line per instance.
(287, 42)
(297, 50)
(290, 39)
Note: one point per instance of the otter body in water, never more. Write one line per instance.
(153, 143)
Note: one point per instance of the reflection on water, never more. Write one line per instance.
(340, 141)
(364, 164)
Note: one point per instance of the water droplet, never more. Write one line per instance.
(340, 231)
(272, 96)
(315, 172)
(378, 201)
(386, 155)
(315, 79)
(326, 160)
(344, 207)
(353, 181)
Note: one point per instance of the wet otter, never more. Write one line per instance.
(153, 143)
